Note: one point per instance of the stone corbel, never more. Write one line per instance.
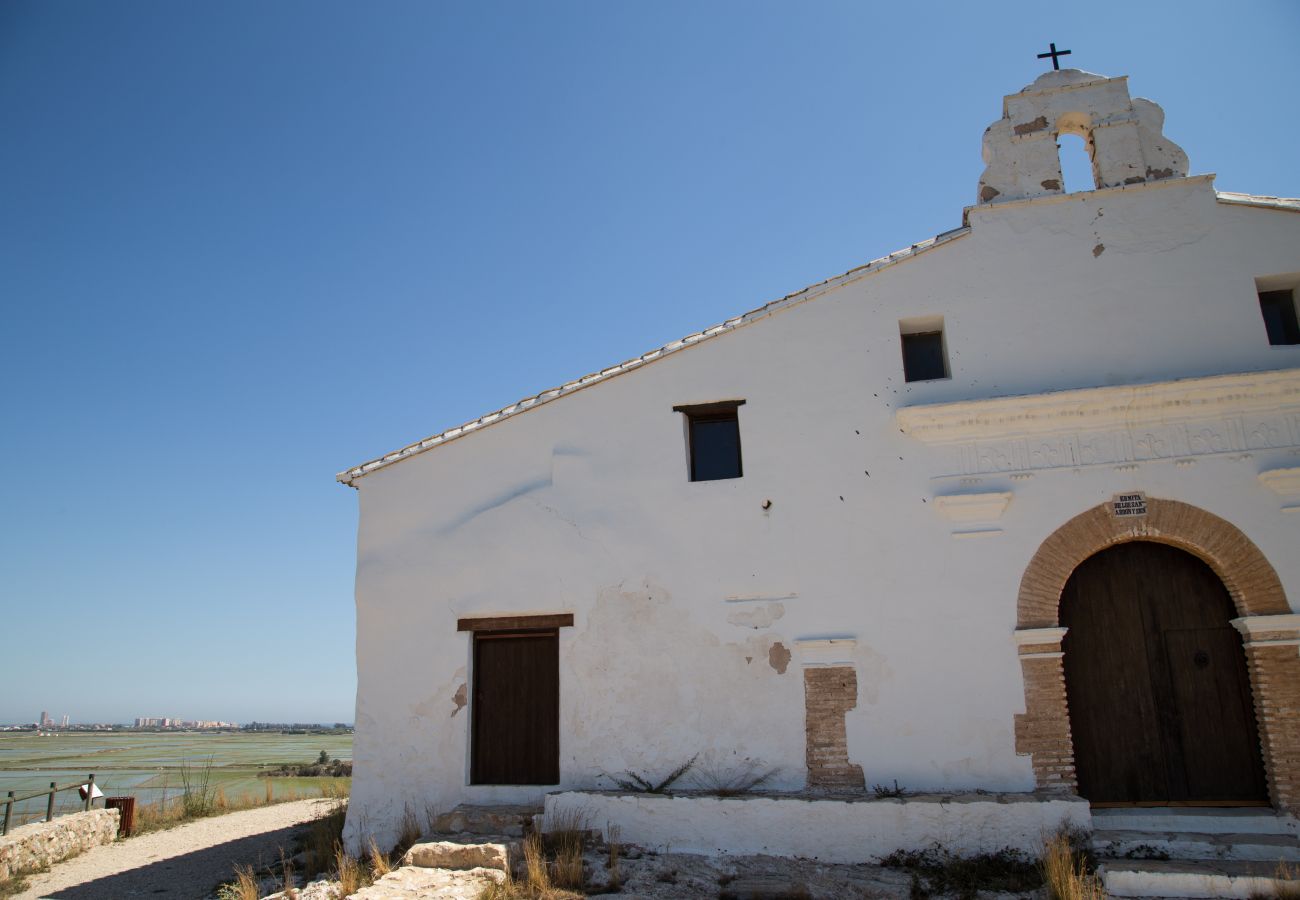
(1264, 631)
(822, 652)
(973, 514)
(1286, 484)
(1040, 643)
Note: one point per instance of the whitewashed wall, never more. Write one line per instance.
(583, 505)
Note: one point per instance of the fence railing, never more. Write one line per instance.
(11, 799)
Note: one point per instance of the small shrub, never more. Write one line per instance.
(730, 782)
(882, 791)
(936, 871)
(643, 784)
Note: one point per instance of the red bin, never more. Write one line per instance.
(125, 807)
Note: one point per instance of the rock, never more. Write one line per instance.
(410, 883)
(764, 887)
(467, 853)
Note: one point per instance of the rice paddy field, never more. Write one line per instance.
(150, 766)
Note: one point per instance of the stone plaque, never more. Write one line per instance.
(1128, 505)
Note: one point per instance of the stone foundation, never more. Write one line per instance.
(31, 847)
(831, 830)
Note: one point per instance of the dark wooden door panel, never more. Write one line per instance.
(516, 709)
(1119, 749)
(1159, 698)
(1216, 722)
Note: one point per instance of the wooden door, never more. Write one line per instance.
(1160, 705)
(516, 708)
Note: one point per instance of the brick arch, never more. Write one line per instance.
(1249, 577)
(1042, 731)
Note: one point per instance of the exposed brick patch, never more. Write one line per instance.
(1043, 731)
(829, 692)
(1275, 682)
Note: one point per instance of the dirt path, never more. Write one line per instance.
(184, 862)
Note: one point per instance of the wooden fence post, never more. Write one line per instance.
(9, 811)
(90, 791)
(49, 806)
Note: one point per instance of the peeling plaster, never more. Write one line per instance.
(761, 616)
(458, 700)
(778, 657)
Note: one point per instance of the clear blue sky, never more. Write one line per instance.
(245, 245)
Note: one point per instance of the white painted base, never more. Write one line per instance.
(832, 830)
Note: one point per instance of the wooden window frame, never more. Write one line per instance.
(718, 411)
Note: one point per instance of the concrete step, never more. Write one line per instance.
(1198, 819)
(488, 820)
(466, 851)
(1196, 878)
(1118, 844)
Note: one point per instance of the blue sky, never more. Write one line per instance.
(244, 246)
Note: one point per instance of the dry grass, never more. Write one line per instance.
(731, 781)
(244, 887)
(379, 862)
(351, 874)
(1065, 870)
(1288, 887)
(323, 836)
(613, 845)
(198, 802)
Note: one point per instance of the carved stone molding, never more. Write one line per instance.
(968, 508)
(1173, 420)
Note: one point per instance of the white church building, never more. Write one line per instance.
(1010, 517)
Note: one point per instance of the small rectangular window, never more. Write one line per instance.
(925, 358)
(1278, 308)
(713, 436)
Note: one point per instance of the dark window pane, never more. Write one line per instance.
(1279, 312)
(715, 448)
(923, 356)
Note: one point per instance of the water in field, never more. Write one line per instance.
(152, 767)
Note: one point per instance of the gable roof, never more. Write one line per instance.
(815, 290)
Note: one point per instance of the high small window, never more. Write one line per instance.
(925, 356)
(1279, 312)
(713, 439)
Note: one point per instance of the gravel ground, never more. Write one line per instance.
(188, 861)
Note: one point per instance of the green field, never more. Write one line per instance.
(149, 766)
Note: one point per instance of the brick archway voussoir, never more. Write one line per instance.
(1250, 579)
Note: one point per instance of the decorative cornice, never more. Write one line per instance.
(1253, 625)
(1029, 637)
(826, 651)
(1102, 408)
(1283, 482)
(967, 508)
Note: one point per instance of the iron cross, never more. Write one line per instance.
(1054, 53)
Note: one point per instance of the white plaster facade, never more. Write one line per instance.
(696, 604)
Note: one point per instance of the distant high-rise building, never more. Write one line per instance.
(65, 720)
(46, 721)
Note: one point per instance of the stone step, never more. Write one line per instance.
(1117, 844)
(411, 883)
(488, 820)
(1196, 878)
(1199, 819)
(466, 851)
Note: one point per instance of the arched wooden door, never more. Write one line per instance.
(1159, 697)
